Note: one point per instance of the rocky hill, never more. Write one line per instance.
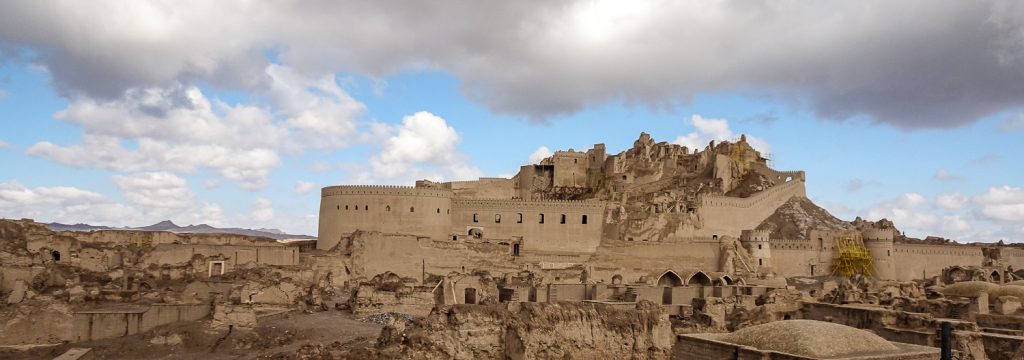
(799, 215)
(169, 226)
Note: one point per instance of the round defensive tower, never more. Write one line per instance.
(384, 208)
(756, 241)
(880, 243)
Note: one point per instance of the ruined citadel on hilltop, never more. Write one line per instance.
(656, 252)
(658, 212)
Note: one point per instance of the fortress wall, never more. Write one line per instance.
(882, 253)
(138, 237)
(880, 243)
(234, 254)
(776, 175)
(570, 168)
(723, 215)
(485, 188)
(525, 181)
(388, 209)
(911, 261)
(634, 259)
(410, 256)
(801, 261)
(1013, 257)
(550, 236)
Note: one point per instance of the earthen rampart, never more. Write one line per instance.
(784, 190)
(722, 215)
(529, 204)
(541, 226)
(916, 261)
(388, 190)
(384, 208)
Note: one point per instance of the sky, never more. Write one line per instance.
(236, 113)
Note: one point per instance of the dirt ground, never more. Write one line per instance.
(317, 335)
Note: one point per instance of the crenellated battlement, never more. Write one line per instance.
(787, 189)
(384, 190)
(529, 204)
(755, 235)
(875, 235)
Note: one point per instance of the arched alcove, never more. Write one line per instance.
(699, 278)
(670, 278)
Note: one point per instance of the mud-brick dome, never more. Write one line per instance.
(810, 338)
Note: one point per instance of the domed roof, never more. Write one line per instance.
(809, 338)
(969, 288)
(1007, 290)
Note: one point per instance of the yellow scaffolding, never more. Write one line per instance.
(852, 257)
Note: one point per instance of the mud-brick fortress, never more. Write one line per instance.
(654, 208)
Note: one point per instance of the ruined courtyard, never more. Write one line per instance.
(657, 252)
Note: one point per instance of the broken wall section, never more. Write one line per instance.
(535, 330)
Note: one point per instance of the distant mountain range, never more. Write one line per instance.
(169, 226)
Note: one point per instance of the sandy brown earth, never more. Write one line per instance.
(335, 333)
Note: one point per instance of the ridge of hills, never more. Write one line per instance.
(170, 226)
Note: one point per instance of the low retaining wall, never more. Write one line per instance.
(118, 322)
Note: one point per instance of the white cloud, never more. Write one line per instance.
(1005, 203)
(423, 146)
(319, 167)
(717, 130)
(997, 213)
(178, 130)
(174, 130)
(951, 201)
(524, 57)
(155, 190)
(13, 193)
(945, 176)
(262, 211)
(211, 183)
(4, 145)
(954, 224)
(211, 214)
(3, 94)
(323, 114)
(907, 212)
(62, 204)
(540, 154)
(1013, 122)
(302, 187)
